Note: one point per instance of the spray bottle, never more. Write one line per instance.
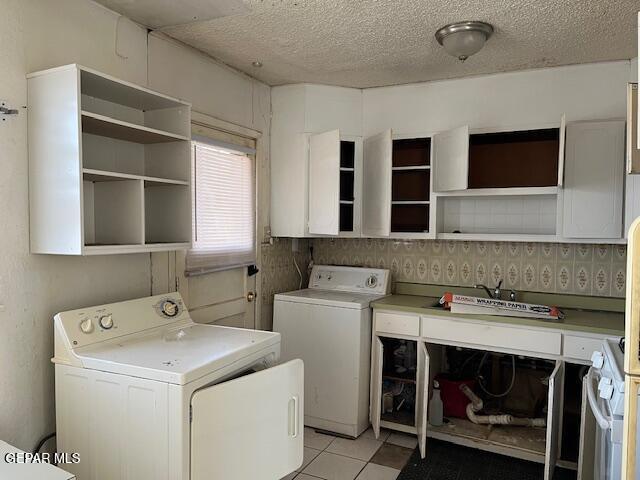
(435, 406)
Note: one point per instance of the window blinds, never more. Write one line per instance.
(223, 183)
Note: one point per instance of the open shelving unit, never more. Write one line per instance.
(109, 165)
(410, 185)
(347, 185)
(505, 186)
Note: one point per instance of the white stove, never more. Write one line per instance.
(328, 326)
(607, 404)
(143, 392)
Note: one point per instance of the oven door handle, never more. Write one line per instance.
(603, 420)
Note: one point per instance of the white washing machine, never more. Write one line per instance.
(144, 393)
(328, 326)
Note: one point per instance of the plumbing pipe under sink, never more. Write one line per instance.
(476, 405)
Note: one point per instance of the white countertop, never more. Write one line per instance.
(27, 471)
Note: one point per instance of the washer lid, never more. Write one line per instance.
(328, 297)
(176, 354)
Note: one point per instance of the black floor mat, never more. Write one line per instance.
(447, 461)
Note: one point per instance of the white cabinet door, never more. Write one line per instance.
(375, 400)
(587, 445)
(451, 160)
(633, 153)
(422, 396)
(594, 180)
(554, 419)
(376, 185)
(561, 150)
(324, 183)
(249, 427)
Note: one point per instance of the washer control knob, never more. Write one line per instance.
(106, 321)
(170, 308)
(86, 325)
(372, 281)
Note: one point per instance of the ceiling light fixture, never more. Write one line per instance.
(463, 39)
(257, 64)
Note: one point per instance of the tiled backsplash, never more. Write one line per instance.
(582, 269)
(279, 273)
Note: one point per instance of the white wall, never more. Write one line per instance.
(218, 91)
(37, 34)
(520, 99)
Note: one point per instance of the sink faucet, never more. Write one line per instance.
(496, 291)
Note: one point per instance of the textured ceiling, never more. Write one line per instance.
(365, 43)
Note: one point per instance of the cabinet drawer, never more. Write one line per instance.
(398, 324)
(487, 335)
(580, 347)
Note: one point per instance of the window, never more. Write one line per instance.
(223, 198)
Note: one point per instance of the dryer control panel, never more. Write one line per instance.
(351, 279)
(90, 325)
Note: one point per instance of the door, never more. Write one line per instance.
(376, 185)
(222, 296)
(324, 183)
(451, 160)
(594, 180)
(587, 445)
(422, 396)
(226, 298)
(250, 427)
(561, 150)
(555, 406)
(375, 408)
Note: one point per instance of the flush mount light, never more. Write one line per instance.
(257, 64)
(463, 39)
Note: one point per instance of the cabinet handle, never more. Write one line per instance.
(294, 424)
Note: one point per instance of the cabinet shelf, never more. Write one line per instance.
(93, 175)
(133, 248)
(417, 167)
(410, 202)
(110, 127)
(528, 443)
(498, 192)
(398, 378)
(401, 417)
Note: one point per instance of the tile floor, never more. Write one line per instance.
(366, 458)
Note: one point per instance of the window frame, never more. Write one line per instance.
(235, 143)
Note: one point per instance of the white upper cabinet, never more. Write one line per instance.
(594, 180)
(324, 183)
(376, 185)
(451, 160)
(316, 161)
(537, 182)
(484, 159)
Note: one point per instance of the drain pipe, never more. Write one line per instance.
(476, 405)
